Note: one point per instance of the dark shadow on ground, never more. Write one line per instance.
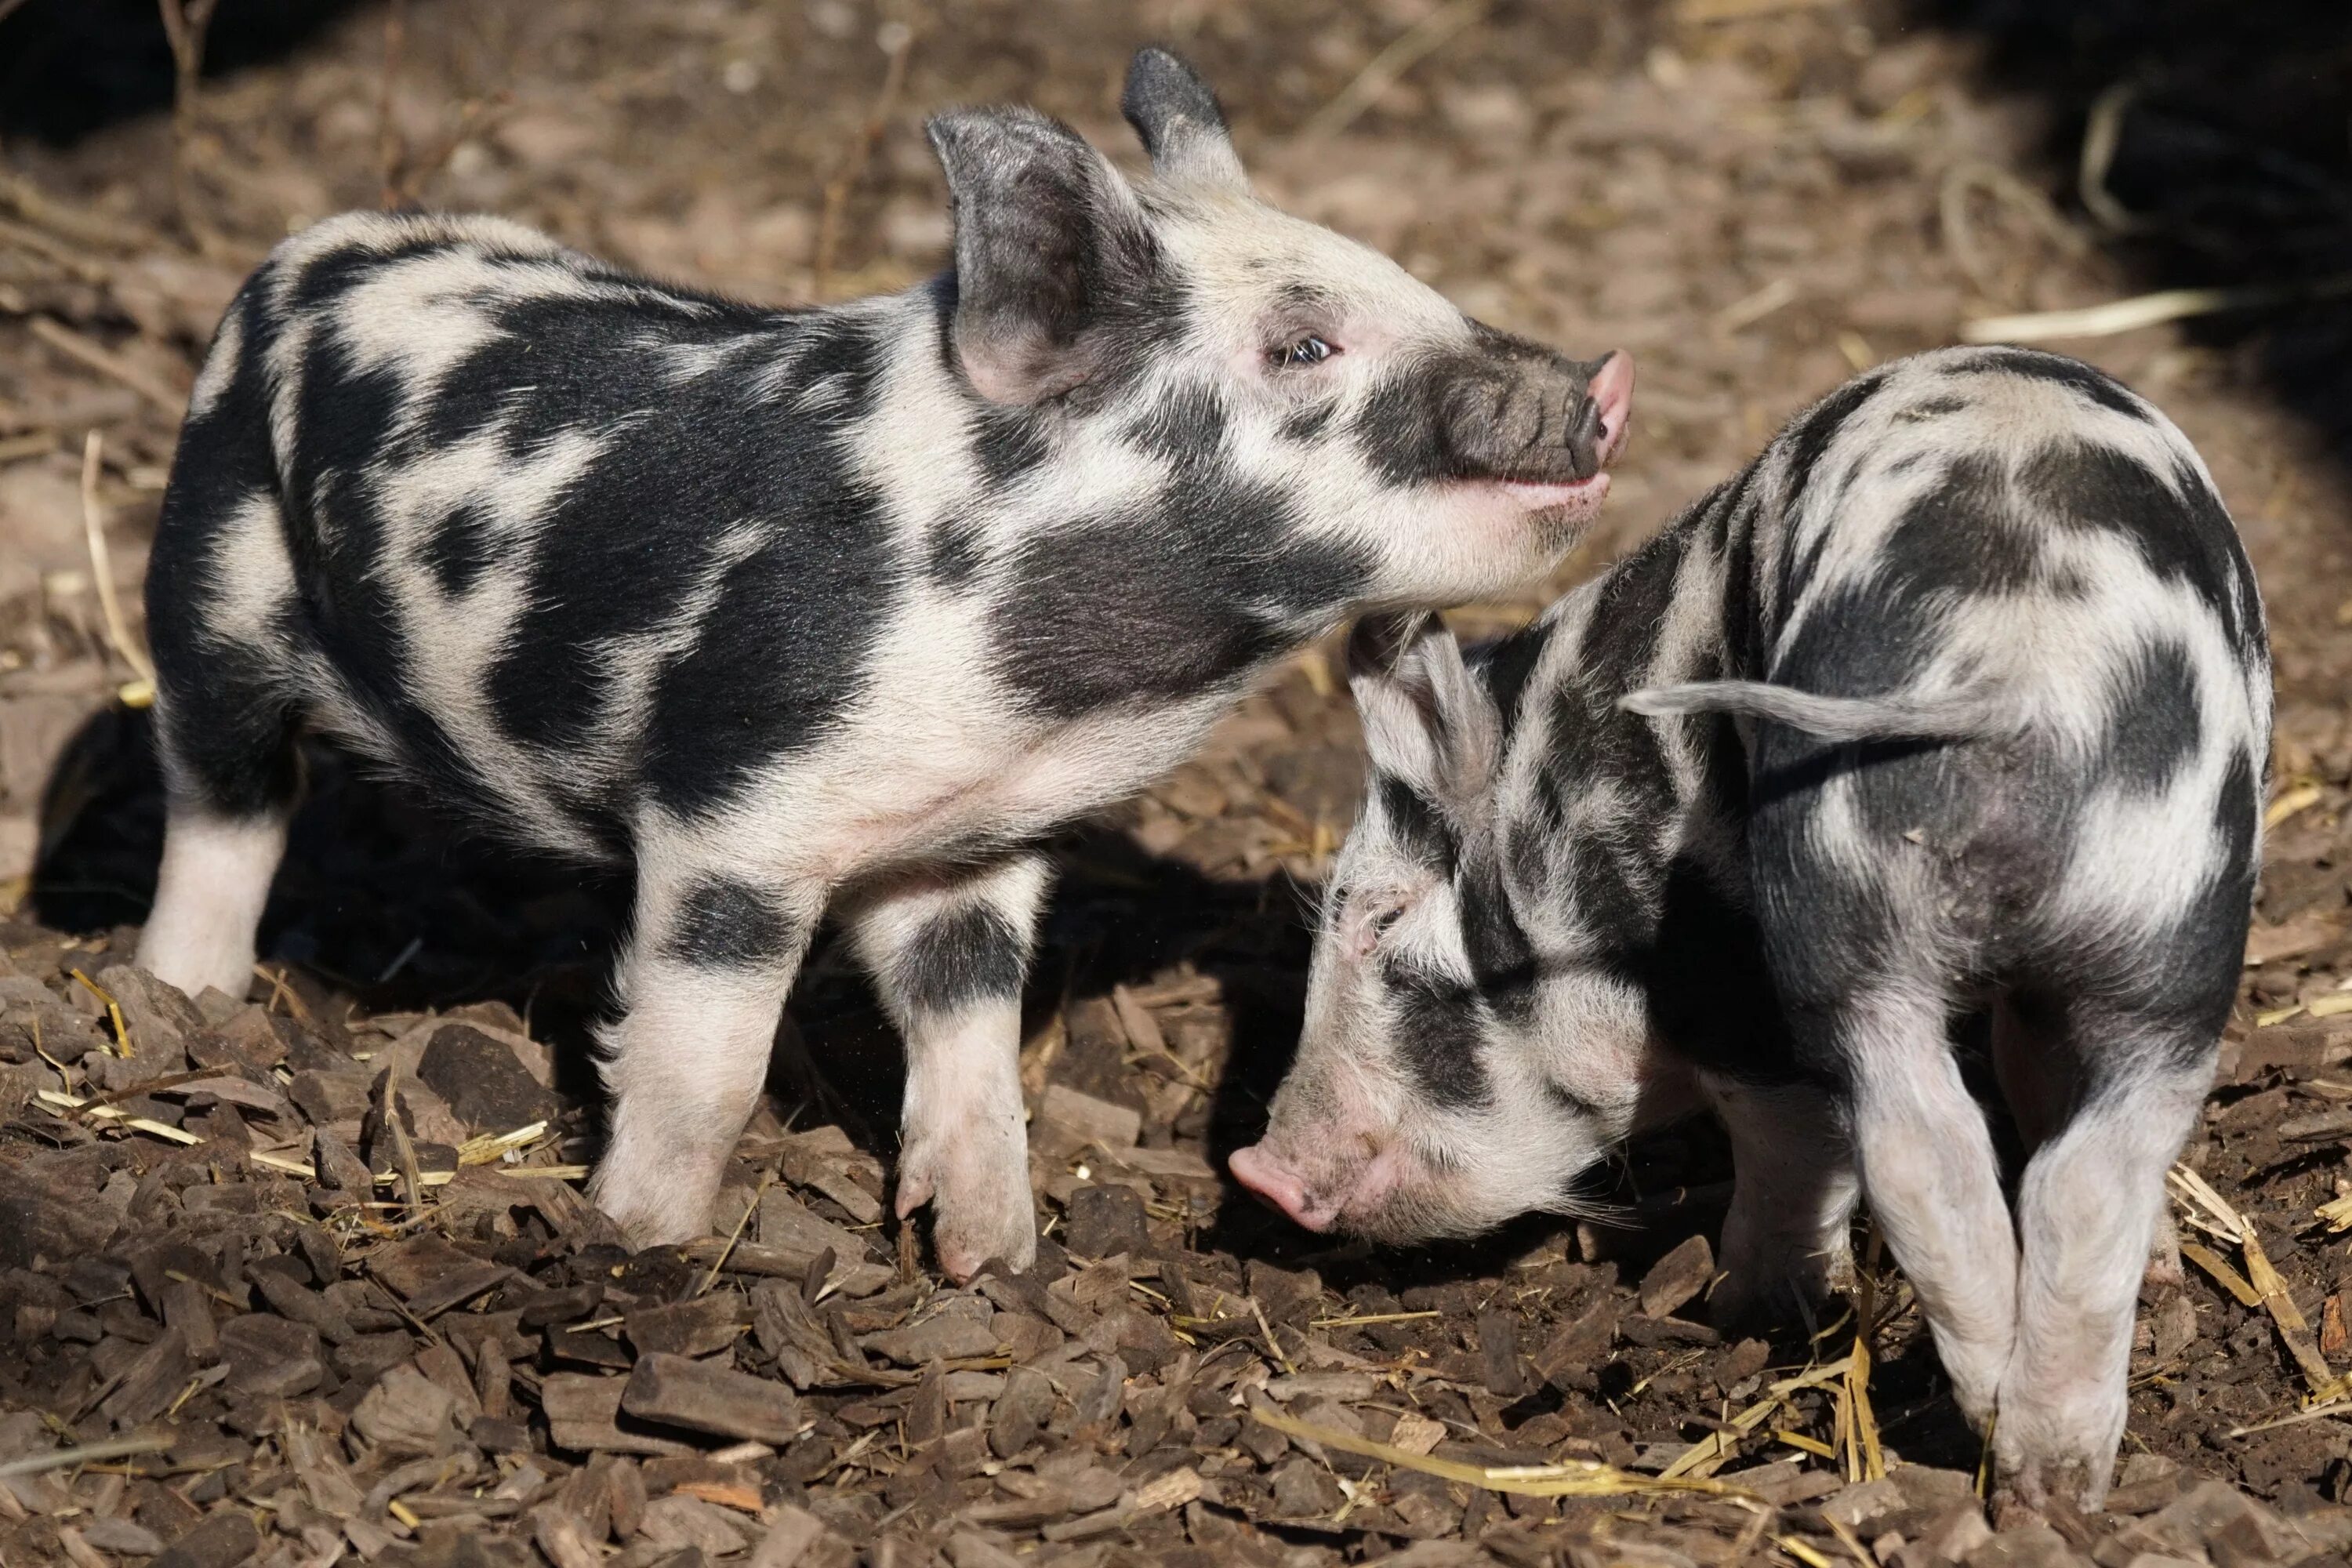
(391, 906)
(2232, 162)
(396, 907)
(71, 66)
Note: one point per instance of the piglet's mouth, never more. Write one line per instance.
(1538, 497)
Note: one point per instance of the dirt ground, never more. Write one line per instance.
(305, 1276)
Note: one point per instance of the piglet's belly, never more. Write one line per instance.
(891, 806)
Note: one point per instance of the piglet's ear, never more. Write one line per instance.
(1181, 126)
(1426, 719)
(1047, 235)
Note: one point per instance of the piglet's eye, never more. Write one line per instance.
(1306, 351)
(1385, 919)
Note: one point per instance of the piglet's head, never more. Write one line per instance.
(1176, 330)
(1454, 1071)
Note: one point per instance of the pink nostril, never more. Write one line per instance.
(1612, 389)
(1266, 1174)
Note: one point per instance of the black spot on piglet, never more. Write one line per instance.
(1439, 1029)
(960, 958)
(722, 923)
(2156, 725)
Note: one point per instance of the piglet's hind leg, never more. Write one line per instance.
(2032, 1059)
(2087, 1214)
(208, 896)
(1934, 1184)
(227, 745)
(947, 953)
(704, 985)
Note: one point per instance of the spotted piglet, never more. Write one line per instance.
(1945, 720)
(847, 607)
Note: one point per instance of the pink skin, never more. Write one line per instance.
(1262, 1172)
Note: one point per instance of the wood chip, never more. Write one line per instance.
(692, 1328)
(584, 1415)
(1417, 1434)
(1091, 1121)
(1143, 1030)
(223, 1540)
(1677, 1280)
(791, 1532)
(2307, 932)
(432, 1274)
(704, 1397)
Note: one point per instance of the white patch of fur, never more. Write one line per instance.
(1927, 1164)
(208, 897)
(689, 361)
(252, 577)
(919, 454)
(1229, 246)
(2087, 1212)
(420, 318)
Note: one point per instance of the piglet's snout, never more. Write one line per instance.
(1550, 433)
(1584, 436)
(1558, 421)
(1276, 1180)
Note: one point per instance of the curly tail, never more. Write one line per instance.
(1967, 714)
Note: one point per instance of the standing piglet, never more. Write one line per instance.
(848, 607)
(1956, 702)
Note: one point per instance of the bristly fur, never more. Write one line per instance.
(1956, 700)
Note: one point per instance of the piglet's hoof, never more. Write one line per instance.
(2010, 1510)
(980, 1215)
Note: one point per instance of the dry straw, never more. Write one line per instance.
(1580, 1478)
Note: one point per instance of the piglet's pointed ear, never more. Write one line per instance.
(1426, 719)
(1177, 118)
(1047, 235)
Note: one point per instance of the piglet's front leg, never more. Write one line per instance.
(948, 952)
(1786, 1241)
(704, 982)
